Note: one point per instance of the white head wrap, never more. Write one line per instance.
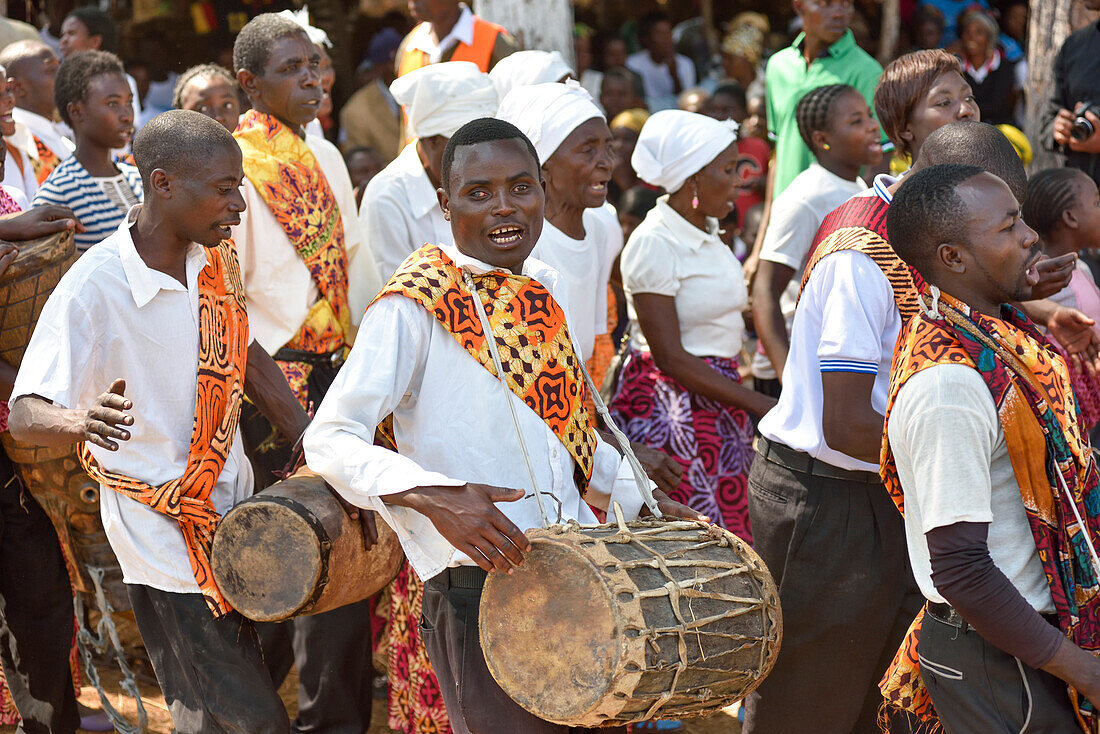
(524, 68)
(548, 113)
(301, 17)
(440, 98)
(675, 145)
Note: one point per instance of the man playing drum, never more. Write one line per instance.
(994, 474)
(141, 353)
(466, 442)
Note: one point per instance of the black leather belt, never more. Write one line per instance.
(460, 577)
(949, 615)
(803, 463)
(327, 359)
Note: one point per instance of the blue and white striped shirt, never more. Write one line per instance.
(72, 186)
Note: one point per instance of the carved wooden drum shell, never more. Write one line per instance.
(292, 550)
(609, 624)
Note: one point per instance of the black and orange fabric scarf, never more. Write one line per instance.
(536, 351)
(289, 179)
(46, 161)
(223, 354)
(1031, 388)
(860, 224)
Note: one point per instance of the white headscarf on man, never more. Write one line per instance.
(548, 113)
(675, 145)
(440, 98)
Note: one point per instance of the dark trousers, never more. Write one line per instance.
(476, 704)
(36, 612)
(210, 669)
(335, 673)
(980, 689)
(837, 551)
(333, 649)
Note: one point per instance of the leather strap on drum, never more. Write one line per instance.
(223, 355)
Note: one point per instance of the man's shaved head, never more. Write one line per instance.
(14, 57)
(178, 142)
(975, 144)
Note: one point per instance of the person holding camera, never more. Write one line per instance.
(1071, 123)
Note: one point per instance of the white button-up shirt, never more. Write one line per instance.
(48, 131)
(463, 32)
(110, 317)
(278, 285)
(400, 212)
(452, 425)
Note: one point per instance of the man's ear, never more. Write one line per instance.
(247, 80)
(17, 89)
(96, 41)
(444, 202)
(160, 183)
(951, 257)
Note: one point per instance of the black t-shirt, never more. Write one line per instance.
(1076, 79)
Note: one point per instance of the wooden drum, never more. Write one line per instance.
(292, 550)
(619, 623)
(25, 286)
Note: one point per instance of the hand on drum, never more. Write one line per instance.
(8, 253)
(101, 422)
(468, 518)
(671, 508)
(365, 518)
(665, 471)
(39, 221)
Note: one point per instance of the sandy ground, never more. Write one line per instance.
(160, 722)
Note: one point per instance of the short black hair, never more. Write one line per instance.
(482, 130)
(732, 89)
(1050, 193)
(252, 48)
(637, 201)
(975, 144)
(77, 72)
(198, 72)
(927, 212)
(649, 20)
(814, 111)
(356, 150)
(178, 141)
(99, 24)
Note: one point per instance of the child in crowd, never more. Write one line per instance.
(95, 101)
(841, 131)
(211, 90)
(1063, 206)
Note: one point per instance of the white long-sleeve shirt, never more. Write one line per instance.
(278, 285)
(452, 425)
(400, 212)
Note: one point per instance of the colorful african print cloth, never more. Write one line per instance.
(536, 351)
(46, 161)
(223, 354)
(1031, 388)
(860, 224)
(415, 701)
(711, 441)
(289, 179)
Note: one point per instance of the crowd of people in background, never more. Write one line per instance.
(719, 230)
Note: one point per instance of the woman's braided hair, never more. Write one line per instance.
(814, 110)
(198, 72)
(1049, 194)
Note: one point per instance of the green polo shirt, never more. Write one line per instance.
(788, 79)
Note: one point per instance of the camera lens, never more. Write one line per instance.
(1082, 129)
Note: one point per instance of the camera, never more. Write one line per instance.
(1083, 129)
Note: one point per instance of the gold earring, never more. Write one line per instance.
(447, 215)
(826, 146)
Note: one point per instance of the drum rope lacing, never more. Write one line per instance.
(640, 478)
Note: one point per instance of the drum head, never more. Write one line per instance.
(556, 611)
(248, 538)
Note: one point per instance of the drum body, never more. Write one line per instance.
(614, 624)
(54, 475)
(292, 550)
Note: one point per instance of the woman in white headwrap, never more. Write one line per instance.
(582, 237)
(680, 390)
(524, 68)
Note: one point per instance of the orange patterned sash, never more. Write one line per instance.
(290, 181)
(46, 161)
(529, 326)
(223, 354)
